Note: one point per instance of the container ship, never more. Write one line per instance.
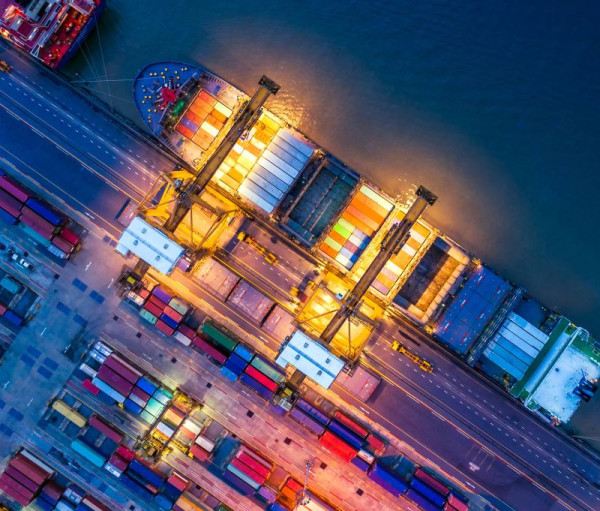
(342, 218)
(51, 31)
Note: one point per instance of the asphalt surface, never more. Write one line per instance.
(83, 157)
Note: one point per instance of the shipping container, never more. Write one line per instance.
(268, 368)
(169, 321)
(108, 390)
(7, 217)
(458, 502)
(41, 239)
(105, 429)
(229, 374)
(173, 314)
(10, 204)
(421, 501)
(429, 493)
(13, 318)
(361, 464)
(70, 236)
(138, 487)
(146, 472)
(122, 368)
(16, 491)
(162, 294)
(94, 457)
(198, 453)
(118, 462)
(385, 478)
(90, 387)
(260, 389)
(336, 445)
(261, 378)
(218, 337)
(146, 385)
(209, 350)
(237, 483)
(182, 338)
(236, 364)
(164, 328)
(256, 462)
(244, 352)
(117, 382)
(45, 211)
(52, 491)
(37, 223)
(158, 303)
(315, 413)
(68, 412)
(125, 453)
(267, 494)
(433, 483)
(345, 434)
(247, 479)
(62, 245)
(21, 479)
(249, 471)
(15, 189)
(250, 301)
(348, 423)
(187, 331)
(307, 421)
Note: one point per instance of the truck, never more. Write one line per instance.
(423, 364)
(4, 67)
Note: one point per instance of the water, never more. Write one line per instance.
(493, 105)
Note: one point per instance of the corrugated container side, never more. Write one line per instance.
(433, 483)
(247, 479)
(105, 429)
(108, 390)
(387, 480)
(427, 492)
(348, 423)
(122, 368)
(315, 413)
(44, 211)
(261, 390)
(240, 485)
(9, 203)
(117, 382)
(419, 499)
(307, 421)
(345, 434)
(16, 190)
(7, 217)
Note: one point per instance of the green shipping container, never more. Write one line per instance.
(267, 370)
(148, 316)
(154, 407)
(88, 453)
(36, 237)
(163, 396)
(179, 305)
(148, 417)
(11, 285)
(218, 337)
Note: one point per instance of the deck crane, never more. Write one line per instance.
(188, 192)
(391, 244)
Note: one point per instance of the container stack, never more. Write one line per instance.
(387, 479)
(121, 382)
(202, 448)
(203, 120)
(237, 362)
(431, 494)
(169, 423)
(164, 311)
(24, 476)
(248, 470)
(142, 479)
(310, 417)
(119, 461)
(263, 377)
(55, 497)
(354, 230)
(176, 484)
(215, 341)
(98, 442)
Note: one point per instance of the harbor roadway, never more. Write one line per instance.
(42, 130)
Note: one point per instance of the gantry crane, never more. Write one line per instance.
(185, 189)
(391, 244)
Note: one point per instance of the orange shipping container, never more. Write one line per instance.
(200, 108)
(357, 223)
(205, 96)
(185, 131)
(336, 236)
(371, 205)
(367, 209)
(196, 119)
(329, 250)
(356, 213)
(219, 116)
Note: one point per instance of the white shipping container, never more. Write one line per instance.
(253, 197)
(518, 341)
(186, 341)
(280, 164)
(265, 185)
(275, 170)
(259, 170)
(205, 443)
(526, 337)
(286, 157)
(294, 139)
(165, 430)
(288, 148)
(261, 192)
(192, 426)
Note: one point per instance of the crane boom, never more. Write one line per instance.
(244, 121)
(393, 241)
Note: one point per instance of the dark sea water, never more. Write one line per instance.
(492, 105)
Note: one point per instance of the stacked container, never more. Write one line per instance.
(430, 493)
(203, 120)
(176, 484)
(310, 417)
(246, 152)
(142, 479)
(24, 476)
(387, 479)
(262, 377)
(98, 442)
(354, 230)
(164, 310)
(119, 461)
(248, 471)
(234, 365)
(169, 424)
(276, 170)
(55, 497)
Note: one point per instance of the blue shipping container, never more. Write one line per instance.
(241, 486)
(313, 412)
(171, 492)
(146, 385)
(169, 321)
(425, 504)
(162, 502)
(84, 507)
(276, 507)
(162, 397)
(146, 473)
(44, 211)
(229, 373)
(6, 217)
(345, 434)
(236, 364)
(132, 407)
(259, 388)
(11, 317)
(427, 492)
(307, 421)
(360, 463)
(134, 486)
(43, 504)
(244, 352)
(387, 480)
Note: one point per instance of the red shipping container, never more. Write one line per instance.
(351, 425)
(105, 429)
(337, 446)
(37, 223)
(21, 479)
(52, 490)
(375, 443)
(246, 453)
(10, 204)
(433, 483)
(15, 491)
(122, 368)
(261, 378)
(32, 471)
(173, 314)
(118, 462)
(140, 393)
(16, 190)
(185, 131)
(164, 328)
(152, 308)
(245, 469)
(2, 309)
(17, 486)
(199, 453)
(293, 485)
(187, 331)
(209, 349)
(70, 236)
(178, 481)
(90, 387)
(120, 384)
(257, 467)
(144, 293)
(158, 302)
(125, 453)
(457, 503)
(63, 245)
